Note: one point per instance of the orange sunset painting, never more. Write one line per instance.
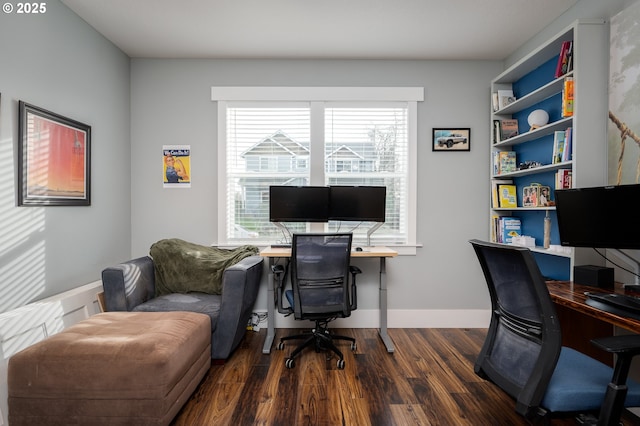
(56, 158)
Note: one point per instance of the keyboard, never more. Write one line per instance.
(280, 245)
(619, 304)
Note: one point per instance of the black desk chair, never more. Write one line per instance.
(523, 353)
(321, 289)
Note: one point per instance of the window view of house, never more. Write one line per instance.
(362, 146)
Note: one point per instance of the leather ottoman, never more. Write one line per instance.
(114, 368)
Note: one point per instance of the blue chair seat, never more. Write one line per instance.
(570, 390)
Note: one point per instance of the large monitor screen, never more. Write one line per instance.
(358, 203)
(599, 217)
(298, 203)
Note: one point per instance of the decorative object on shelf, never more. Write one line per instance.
(54, 161)
(505, 97)
(529, 165)
(547, 231)
(451, 139)
(537, 119)
(536, 195)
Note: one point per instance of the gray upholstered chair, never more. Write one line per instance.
(130, 286)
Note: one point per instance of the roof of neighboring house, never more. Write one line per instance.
(277, 143)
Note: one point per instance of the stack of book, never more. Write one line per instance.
(562, 146)
(503, 194)
(565, 59)
(563, 179)
(504, 162)
(504, 129)
(505, 228)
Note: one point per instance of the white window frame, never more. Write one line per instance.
(410, 95)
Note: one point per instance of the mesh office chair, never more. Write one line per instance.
(321, 289)
(523, 352)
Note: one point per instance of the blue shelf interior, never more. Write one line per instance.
(540, 150)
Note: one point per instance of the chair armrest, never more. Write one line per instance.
(625, 344)
(240, 285)
(354, 270)
(128, 284)
(279, 276)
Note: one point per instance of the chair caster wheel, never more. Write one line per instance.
(354, 346)
(340, 364)
(280, 346)
(289, 363)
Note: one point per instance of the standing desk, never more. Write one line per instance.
(381, 252)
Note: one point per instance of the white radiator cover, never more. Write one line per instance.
(36, 321)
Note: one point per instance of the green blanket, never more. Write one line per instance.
(181, 266)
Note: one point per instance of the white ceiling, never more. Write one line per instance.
(336, 29)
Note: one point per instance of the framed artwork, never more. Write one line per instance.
(54, 159)
(451, 139)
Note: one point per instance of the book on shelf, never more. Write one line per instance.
(495, 105)
(495, 199)
(496, 131)
(508, 128)
(563, 179)
(504, 228)
(507, 197)
(568, 145)
(505, 97)
(567, 97)
(510, 227)
(565, 59)
(506, 162)
(558, 146)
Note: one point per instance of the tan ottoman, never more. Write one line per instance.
(115, 368)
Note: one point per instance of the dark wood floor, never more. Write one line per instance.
(429, 380)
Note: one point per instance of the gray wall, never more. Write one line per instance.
(57, 62)
(171, 104)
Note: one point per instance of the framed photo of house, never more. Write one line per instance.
(451, 139)
(54, 159)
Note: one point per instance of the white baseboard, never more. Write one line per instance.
(403, 318)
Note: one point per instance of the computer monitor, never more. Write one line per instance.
(358, 203)
(298, 203)
(599, 217)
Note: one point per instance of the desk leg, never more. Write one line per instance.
(271, 308)
(383, 307)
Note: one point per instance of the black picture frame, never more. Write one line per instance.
(451, 139)
(54, 159)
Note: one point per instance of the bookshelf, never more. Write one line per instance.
(535, 86)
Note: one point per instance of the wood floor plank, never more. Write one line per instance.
(429, 380)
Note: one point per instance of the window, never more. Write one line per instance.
(315, 136)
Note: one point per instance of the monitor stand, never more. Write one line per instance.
(631, 261)
(371, 230)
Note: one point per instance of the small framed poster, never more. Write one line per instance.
(451, 139)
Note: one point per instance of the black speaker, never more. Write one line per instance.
(595, 276)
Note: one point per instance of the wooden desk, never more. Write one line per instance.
(580, 322)
(380, 252)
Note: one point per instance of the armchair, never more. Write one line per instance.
(131, 286)
(523, 353)
(321, 290)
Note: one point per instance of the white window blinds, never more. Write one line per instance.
(310, 141)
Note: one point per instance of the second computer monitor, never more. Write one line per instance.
(358, 203)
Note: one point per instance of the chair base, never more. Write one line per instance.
(321, 339)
